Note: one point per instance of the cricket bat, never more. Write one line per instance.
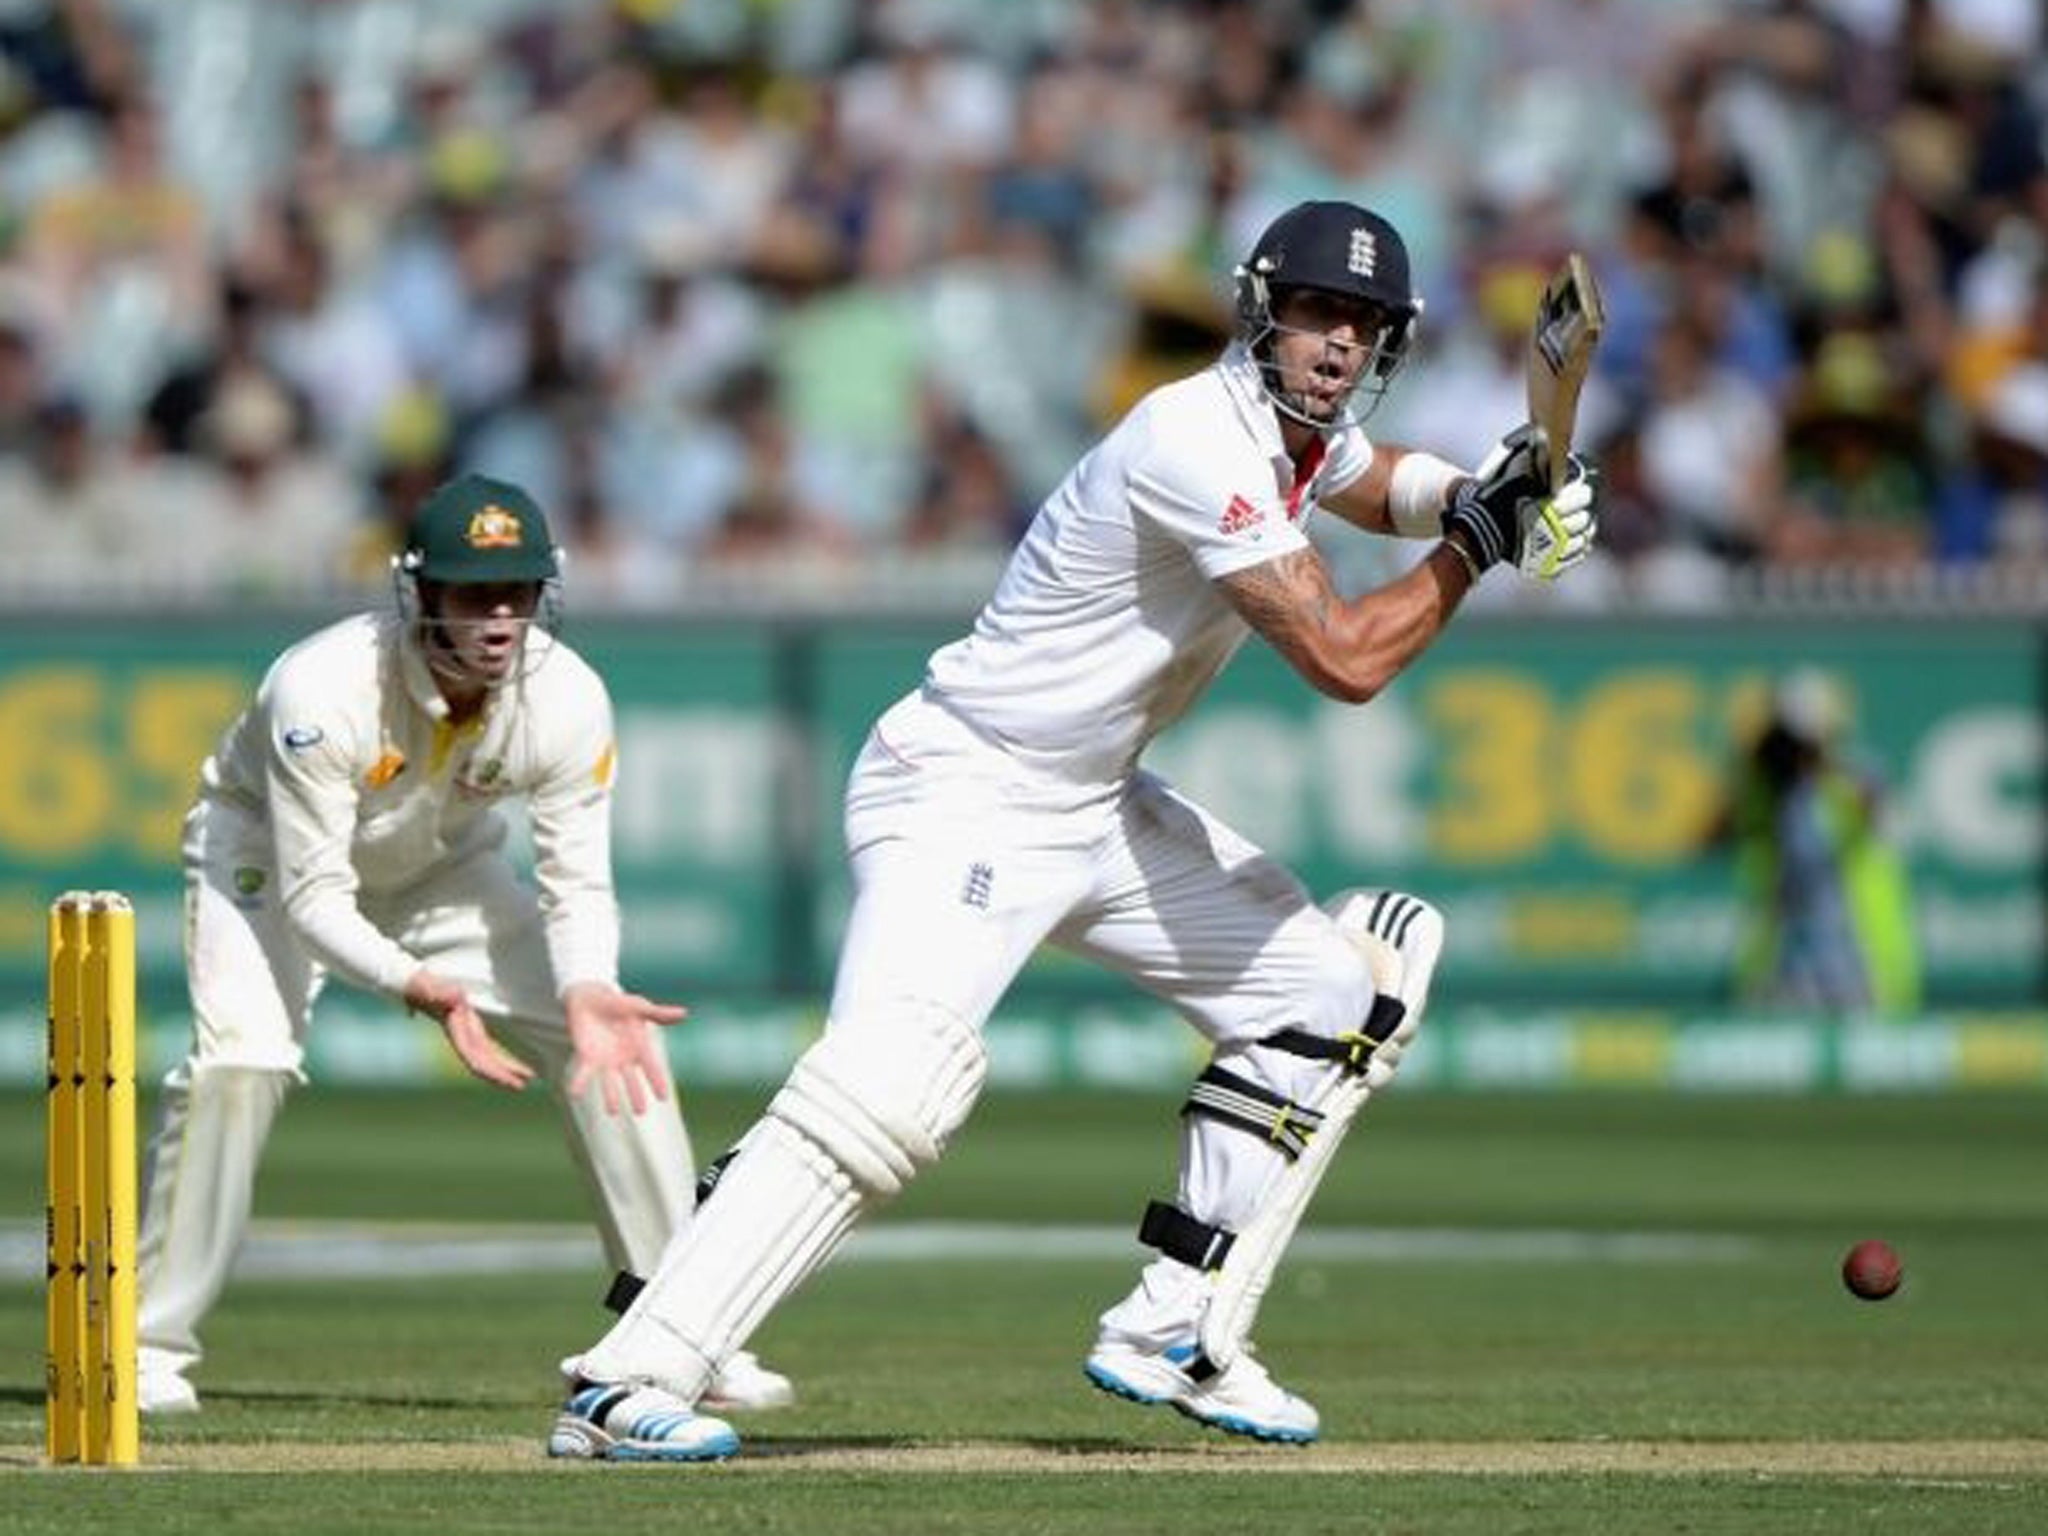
(1569, 321)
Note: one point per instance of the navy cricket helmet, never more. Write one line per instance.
(1338, 248)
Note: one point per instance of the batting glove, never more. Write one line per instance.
(1506, 512)
(1558, 531)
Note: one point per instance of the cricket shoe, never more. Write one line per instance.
(160, 1384)
(744, 1385)
(1240, 1399)
(157, 1394)
(620, 1422)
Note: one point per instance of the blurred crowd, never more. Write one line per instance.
(817, 295)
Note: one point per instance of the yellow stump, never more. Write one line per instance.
(92, 1407)
(64, 1261)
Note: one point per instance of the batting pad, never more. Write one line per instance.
(1401, 937)
(783, 1206)
(864, 1109)
(884, 1098)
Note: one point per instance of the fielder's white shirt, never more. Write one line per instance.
(348, 755)
(1107, 623)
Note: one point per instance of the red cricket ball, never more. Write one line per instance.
(1872, 1270)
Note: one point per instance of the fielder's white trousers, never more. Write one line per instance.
(252, 991)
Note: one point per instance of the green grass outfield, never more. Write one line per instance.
(1561, 1313)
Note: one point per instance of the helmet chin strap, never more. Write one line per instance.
(1259, 331)
(439, 650)
(1292, 403)
(434, 634)
(1350, 408)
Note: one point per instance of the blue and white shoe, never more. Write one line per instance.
(1241, 1399)
(622, 1422)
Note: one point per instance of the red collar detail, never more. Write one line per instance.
(1305, 469)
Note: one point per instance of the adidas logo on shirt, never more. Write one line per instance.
(1240, 515)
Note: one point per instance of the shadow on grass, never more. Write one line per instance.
(299, 1397)
(304, 1397)
(1078, 1446)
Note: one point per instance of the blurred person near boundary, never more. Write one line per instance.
(1993, 502)
(1828, 917)
(120, 264)
(347, 824)
(1000, 806)
(1858, 469)
(62, 501)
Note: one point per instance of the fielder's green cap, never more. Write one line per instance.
(477, 529)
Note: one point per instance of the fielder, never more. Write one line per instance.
(345, 825)
(1001, 805)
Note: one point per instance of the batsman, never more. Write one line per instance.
(1001, 804)
(348, 825)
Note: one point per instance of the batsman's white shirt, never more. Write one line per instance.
(1107, 623)
(1001, 804)
(347, 766)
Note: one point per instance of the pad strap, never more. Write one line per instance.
(1179, 1236)
(1239, 1102)
(1352, 1049)
(714, 1170)
(625, 1287)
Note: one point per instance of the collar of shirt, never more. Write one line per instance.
(1245, 384)
(414, 675)
(1246, 387)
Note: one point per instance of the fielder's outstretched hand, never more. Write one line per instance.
(448, 1005)
(614, 1040)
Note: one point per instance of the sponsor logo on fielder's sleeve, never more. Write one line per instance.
(607, 763)
(494, 528)
(385, 769)
(1239, 516)
(299, 737)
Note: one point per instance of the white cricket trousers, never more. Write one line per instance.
(252, 991)
(964, 861)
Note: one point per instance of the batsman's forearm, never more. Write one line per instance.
(1348, 650)
(1394, 624)
(1403, 493)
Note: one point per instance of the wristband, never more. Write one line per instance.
(1457, 547)
(1419, 493)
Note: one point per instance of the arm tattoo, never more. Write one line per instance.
(1288, 600)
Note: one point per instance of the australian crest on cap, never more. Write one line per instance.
(494, 528)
